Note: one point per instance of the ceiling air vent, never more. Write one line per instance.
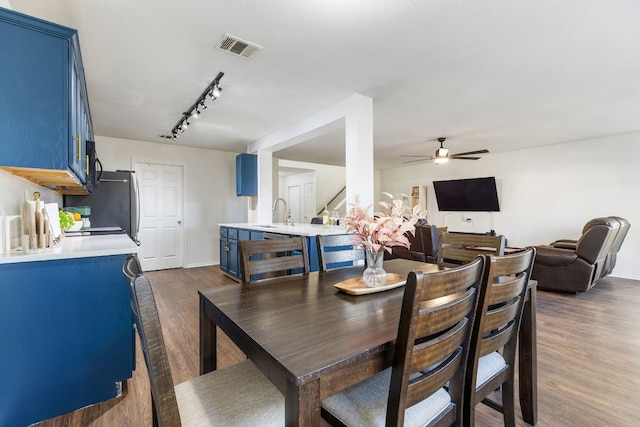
(237, 46)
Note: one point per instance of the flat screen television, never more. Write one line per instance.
(474, 195)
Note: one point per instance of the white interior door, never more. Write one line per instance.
(293, 193)
(161, 234)
(309, 197)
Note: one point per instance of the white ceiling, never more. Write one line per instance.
(496, 74)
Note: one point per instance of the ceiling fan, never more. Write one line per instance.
(442, 154)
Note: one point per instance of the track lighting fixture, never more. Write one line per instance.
(213, 91)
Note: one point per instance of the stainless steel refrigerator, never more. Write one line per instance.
(114, 202)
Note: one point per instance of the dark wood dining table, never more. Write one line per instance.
(312, 340)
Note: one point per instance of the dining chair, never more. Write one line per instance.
(459, 248)
(239, 395)
(431, 349)
(492, 352)
(132, 267)
(338, 250)
(261, 259)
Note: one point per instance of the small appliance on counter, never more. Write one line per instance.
(114, 204)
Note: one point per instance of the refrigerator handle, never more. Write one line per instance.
(136, 188)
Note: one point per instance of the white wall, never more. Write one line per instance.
(209, 189)
(13, 193)
(545, 193)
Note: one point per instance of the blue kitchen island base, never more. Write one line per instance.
(232, 234)
(66, 336)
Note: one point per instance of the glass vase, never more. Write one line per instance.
(374, 275)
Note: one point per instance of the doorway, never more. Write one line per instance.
(161, 212)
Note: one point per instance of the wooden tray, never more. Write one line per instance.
(356, 286)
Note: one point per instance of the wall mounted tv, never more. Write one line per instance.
(474, 195)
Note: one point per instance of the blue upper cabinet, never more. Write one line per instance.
(45, 118)
(247, 175)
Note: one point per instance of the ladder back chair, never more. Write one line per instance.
(338, 250)
(460, 248)
(492, 353)
(132, 267)
(239, 395)
(273, 257)
(431, 350)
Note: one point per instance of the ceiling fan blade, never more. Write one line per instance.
(413, 155)
(463, 158)
(419, 160)
(471, 152)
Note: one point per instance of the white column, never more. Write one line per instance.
(356, 114)
(261, 213)
(359, 150)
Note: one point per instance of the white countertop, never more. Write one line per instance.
(76, 247)
(296, 230)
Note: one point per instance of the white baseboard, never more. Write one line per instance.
(203, 264)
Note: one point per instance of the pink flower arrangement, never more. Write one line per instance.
(385, 229)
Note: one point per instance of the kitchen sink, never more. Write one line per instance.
(267, 226)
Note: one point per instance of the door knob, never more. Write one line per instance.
(179, 221)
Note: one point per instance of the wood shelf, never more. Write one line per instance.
(418, 196)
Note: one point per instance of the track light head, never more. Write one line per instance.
(216, 90)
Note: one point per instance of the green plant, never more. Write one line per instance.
(66, 221)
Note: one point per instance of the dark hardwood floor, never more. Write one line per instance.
(588, 355)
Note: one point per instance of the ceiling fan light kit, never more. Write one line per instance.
(442, 154)
(440, 160)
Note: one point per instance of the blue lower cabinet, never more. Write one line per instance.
(66, 336)
(224, 249)
(233, 258)
(312, 248)
(230, 248)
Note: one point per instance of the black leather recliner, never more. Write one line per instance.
(617, 243)
(576, 266)
(610, 262)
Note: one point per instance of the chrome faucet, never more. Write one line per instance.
(285, 217)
